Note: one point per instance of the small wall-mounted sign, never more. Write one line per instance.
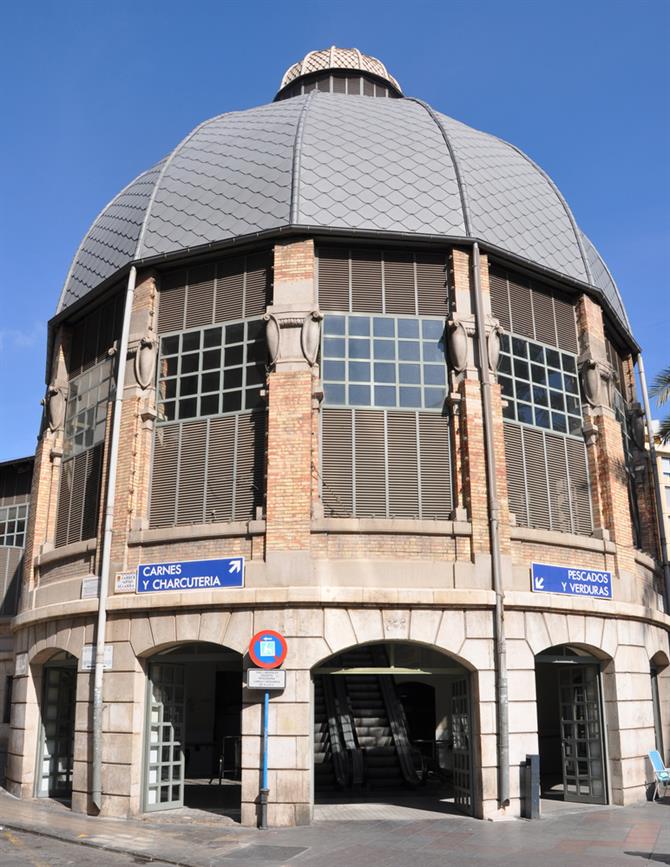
(261, 678)
(125, 582)
(88, 657)
(90, 587)
(21, 664)
(571, 581)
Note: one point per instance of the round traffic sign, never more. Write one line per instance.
(267, 649)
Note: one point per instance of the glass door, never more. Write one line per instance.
(164, 755)
(460, 732)
(581, 734)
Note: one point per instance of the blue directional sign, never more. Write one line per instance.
(571, 581)
(190, 575)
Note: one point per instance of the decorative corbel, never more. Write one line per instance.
(310, 336)
(637, 425)
(272, 336)
(457, 343)
(591, 381)
(145, 362)
(493, 347)
(54, 402)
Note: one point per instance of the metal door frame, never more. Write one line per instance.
(170, 805)
(49, 665)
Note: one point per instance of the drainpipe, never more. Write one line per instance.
(107, 545)
(657, 483)
(502, 712)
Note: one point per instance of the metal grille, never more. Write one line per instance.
(234, 288)
(164, 755)
(581, 734)
(57, 745)
(88, 399)
(94, 334)
(547, 480)
(388, 281)
(385, 464)
(532, 309)
(209, 470)
(11, 562)
(78, 498)
(13, 526)
(460, 732)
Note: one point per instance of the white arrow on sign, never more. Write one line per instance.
(539, 583)
(235, 566)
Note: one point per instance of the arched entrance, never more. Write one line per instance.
(57, 698)
(570, 725)
(393, 724)
(192, 754)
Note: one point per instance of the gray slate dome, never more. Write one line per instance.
(390, 167)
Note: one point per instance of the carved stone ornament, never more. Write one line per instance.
(310, 336)
(145, 362)
(457, 343)
(637, 424)
(55, 406)
(272, 336)
(591, 381)
(493, 346)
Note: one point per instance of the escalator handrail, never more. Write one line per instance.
(337, 751)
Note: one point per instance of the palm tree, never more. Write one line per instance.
(660, 389)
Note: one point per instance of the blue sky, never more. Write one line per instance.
(93, 93)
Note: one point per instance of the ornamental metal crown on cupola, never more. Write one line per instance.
(324, 156)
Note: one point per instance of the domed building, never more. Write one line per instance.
(344, 369)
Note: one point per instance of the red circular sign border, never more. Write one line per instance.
(279, 660)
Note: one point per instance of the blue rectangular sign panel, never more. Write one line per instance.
(190, 575)
(571, 581)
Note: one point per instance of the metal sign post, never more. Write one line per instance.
(267, 650)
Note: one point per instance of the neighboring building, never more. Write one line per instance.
(663, 461)
(15, 482)
(298, 274)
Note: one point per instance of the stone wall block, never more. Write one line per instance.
(424, 625)
(338, 629)
(367, 623)
(451, 632)
(212, 627)
(187, 626)
(396, 624)
(239, 631)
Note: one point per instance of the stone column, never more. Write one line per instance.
(293, 336)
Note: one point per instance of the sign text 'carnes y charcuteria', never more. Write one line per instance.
(190, 575)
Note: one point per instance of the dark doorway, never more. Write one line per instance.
(570, 726)
(392, 722)
(193, 751)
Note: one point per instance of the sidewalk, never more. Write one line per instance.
(568, 836)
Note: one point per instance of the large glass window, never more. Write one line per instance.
(211, 371)
(13, 526)
(384, 361)
(540, 385)
(86, 413)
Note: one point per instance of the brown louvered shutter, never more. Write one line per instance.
(543, 310)
(164, 476)
(370, 463)
(200, 296)
(366, 281)
(337, 462)
(566, 326)
(403, 465)
(229, 290)
(64, 498)
(431, 285)
(11, 560)
(499, 297)
(92, 482)
(399, 289)
(77, 498)
(256, 293)
(220, 465)
(516, 484)
(521, 307)
(579, 486)
(192, 464)
(333, 267)
(171, 302)
(435, 465)
(250, 464)
(559, 484)
(536, 479)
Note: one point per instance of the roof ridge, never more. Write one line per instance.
(296, 162)
(562, 200)
(168, 160)
(94, 221)
(462, 186)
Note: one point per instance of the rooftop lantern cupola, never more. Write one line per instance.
(339, 70)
